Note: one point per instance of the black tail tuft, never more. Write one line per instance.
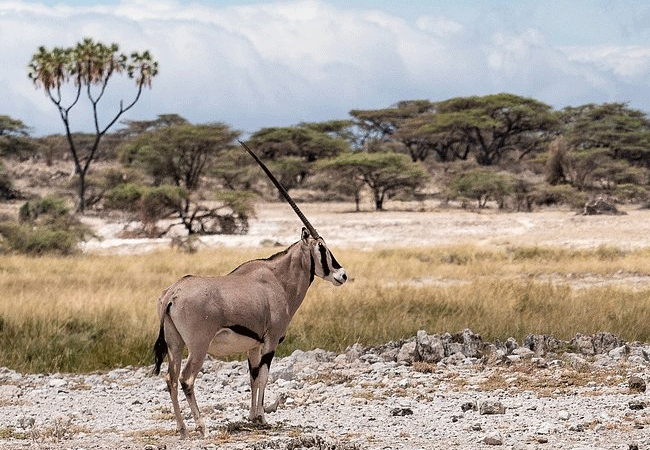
(160, 349)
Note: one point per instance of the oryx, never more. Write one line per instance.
(247, 310)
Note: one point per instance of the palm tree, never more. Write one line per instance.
(89, 66)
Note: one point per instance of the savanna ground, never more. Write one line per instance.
(417, 266)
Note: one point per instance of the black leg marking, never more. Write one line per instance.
(246, 332)
(255, 371)
(266, 359)
(281, 340)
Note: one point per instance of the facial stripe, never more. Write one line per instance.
(312, 268)
(323, 259)
(335, 263)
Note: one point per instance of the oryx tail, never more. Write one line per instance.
(160, 347)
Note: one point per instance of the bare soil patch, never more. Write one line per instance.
(413, 225)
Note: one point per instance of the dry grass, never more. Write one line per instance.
(96, 312)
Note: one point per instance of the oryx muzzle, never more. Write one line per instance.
(246, 311)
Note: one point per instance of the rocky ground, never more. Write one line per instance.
(430, 392)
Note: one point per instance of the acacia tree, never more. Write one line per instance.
(381, 124)
(483, 184)
(495, 124)
(384, 173)
(182, 155)
(13, 137)
(291, 151)
(88, 66)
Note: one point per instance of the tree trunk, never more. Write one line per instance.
(379, 201)
(82, 192)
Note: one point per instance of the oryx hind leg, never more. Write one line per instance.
(192, 367)
(175, 346)
(258, 366)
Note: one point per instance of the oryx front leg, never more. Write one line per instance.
(259, 366)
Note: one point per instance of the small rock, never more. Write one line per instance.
(524, 352)
(511, 345)
(26, 422)
(469, 406)
(492, 407)
(407, 353)
(57, 383)
(493, 439)
(636, 404)
(577, 427)
(428, 348)
(636, 384)
(563, 415)
(401, 412)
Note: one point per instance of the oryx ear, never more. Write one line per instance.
(305, 234)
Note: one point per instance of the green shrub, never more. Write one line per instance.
(158, 202)
(38, 240)
(561, 194)
(44, 226)
(483, 185)
(125, 197)
(631, 192)
(50, 208)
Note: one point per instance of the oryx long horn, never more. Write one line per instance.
(284, 192)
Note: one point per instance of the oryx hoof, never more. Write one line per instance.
(259, 420)
(183, 433)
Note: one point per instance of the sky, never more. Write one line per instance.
(255, 64)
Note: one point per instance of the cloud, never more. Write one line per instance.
(281, 63)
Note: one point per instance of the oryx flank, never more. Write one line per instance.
(247, 310)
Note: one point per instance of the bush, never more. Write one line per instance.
(562, 194)
(161, 201)
(45, 226)
(483, 185)
(631, 193)
(39, 240)
(7, 191)
(125, 197)
(50, 208)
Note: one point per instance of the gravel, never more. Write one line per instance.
(397, 396)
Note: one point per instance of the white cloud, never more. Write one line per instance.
(282, 63)
(630, 62)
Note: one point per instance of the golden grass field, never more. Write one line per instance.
(96, 311)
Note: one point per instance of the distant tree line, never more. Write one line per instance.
(513, 151)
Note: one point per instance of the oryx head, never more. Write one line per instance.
(324, 264)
